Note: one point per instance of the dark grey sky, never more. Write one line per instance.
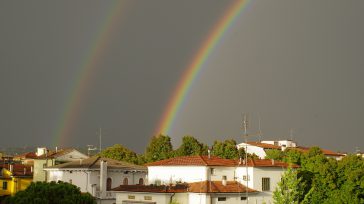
(297, 64)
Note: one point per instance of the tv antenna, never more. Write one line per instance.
(90, 148)
(245, 126)
(100, 136)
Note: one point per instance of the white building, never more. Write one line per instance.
(98, 176)
(207, 180)
(257, 148)
(260, 148)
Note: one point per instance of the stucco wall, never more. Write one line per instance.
(166, 174)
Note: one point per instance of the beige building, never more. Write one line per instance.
(48, 158)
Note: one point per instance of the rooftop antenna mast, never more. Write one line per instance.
(259, 128)
(245, 135)
(291, 134)
(100, 135)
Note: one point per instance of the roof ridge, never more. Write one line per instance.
(204, 161)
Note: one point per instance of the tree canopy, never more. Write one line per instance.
(191, 146)
(119, 152)
(159, 147)
(226, 149)
(51, 193)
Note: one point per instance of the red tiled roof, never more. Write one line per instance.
(194, 161)
(27, 155)
(179, 188)
(196, 187)
(266, 163)
(216, 161)
(324, 151)
(18, 169)
(218, 187)
(264, 145)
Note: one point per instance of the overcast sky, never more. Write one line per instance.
(295, 64)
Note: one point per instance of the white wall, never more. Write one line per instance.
(166, 174)
(229, 172)
(240, 172)
(160, 198)
(86, 178)
(72, 156)
(197, 198)
(259, 151)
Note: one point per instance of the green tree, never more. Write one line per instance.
(226, 149)
(191, 146)
(292, 156)
(159, 148)
(51, 193)
(121, 153)
(290, 189)
(275, 154)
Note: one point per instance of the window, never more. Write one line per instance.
(147, 197)
(242, 198)
(5, 185)
(221, 199)
(70, 181)
(108, 184)
(125, 181)
(131, 197)
(141, 181)
(212, 171)
(246, 178)
(265, 184)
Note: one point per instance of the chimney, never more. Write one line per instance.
(56, 149)
(103, 176)
(11, 168)
(209, 153)
(224, 180)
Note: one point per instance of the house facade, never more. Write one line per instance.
(98, 176)
(204, 179)
(14, 178)
(46, 158)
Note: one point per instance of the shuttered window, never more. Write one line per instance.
(265, 184)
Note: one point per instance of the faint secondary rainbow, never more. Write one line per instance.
(84, 76)
(179, 96)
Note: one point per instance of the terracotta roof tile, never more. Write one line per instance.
(196, 187)
(218, 187)
(324, 151)
(94, 163)
(194, 161)
(19, 169)
(266, 163)
(216, 161)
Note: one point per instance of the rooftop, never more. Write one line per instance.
(18, 169)
(196, 187)
(217, 161)
(94, 163)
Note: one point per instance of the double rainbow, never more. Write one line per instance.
(195, 67)
(85, 74)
